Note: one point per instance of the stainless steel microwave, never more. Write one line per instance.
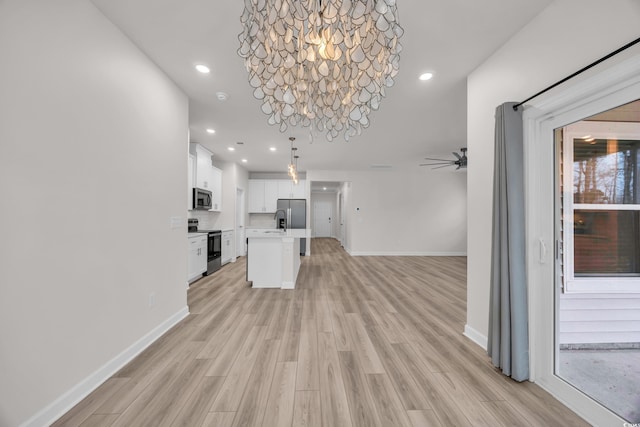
(202, 199)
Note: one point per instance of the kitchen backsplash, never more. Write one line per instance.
(262, 221)
(206, 219)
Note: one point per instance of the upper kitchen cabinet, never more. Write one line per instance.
(216, 189)
(203, 166)
(263, 195)
(207, 176)
(288, 190)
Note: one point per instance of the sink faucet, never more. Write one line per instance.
(284, 218)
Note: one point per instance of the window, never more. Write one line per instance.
(601, 206)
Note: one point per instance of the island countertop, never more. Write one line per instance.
(294, 233)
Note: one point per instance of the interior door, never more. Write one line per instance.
(322, 213)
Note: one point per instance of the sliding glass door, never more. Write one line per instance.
(597, 337)
(582, 183)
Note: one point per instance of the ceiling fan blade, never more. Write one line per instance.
(438, 164)
(440, 167)
(440, 160)
(457, 155)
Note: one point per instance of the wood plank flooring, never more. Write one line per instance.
(361, 341)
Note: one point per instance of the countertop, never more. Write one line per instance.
(263, 233)
(196, 234)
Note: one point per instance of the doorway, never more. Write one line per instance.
(564, 204)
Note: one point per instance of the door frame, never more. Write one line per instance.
(240, 246)
(610, 88)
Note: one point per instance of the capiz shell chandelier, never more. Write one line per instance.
(323, 64)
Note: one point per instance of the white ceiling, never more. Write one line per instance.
(325, 186)
(447, 37)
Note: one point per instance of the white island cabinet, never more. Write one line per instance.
(273, 257)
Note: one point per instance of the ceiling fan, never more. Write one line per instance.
(460, 161)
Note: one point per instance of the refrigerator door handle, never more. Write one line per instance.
(288, 217)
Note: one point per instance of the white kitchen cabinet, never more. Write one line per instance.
(263, 195)
(256, 196)
(271, 195)
(227, 247)
(205, 175)
(204, 168)
(288, 190)
(298, 191)
(197, 263)
(216, 189)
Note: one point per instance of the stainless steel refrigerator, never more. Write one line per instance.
(296, 210)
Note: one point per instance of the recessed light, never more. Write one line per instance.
(426, 76)
(212, 131)
(244, 160)
(324, 188)
(222, 96)
(231, 149)
(203, 68)
(272, 148)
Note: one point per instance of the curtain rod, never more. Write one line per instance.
(582, 70)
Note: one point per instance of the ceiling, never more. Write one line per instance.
(325, 186)
(417, 118)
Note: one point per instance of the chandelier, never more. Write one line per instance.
(323, 64)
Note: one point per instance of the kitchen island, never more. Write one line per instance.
(273, 258)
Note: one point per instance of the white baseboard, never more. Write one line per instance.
(475, 336)
(401, 253)
(68, 400)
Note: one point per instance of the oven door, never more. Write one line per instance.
(215, 246)
(214, 252)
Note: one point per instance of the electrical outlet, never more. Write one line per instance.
(152, 299)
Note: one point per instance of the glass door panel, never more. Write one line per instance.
(598, 258)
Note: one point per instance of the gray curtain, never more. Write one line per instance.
(508, 341)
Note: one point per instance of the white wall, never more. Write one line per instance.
(549, 48)
(415, 211)
(93, 148)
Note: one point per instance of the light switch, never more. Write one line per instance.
(176, 222)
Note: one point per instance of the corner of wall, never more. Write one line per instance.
(68, 400)
(475, 336)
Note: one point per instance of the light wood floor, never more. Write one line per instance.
(361, 341)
